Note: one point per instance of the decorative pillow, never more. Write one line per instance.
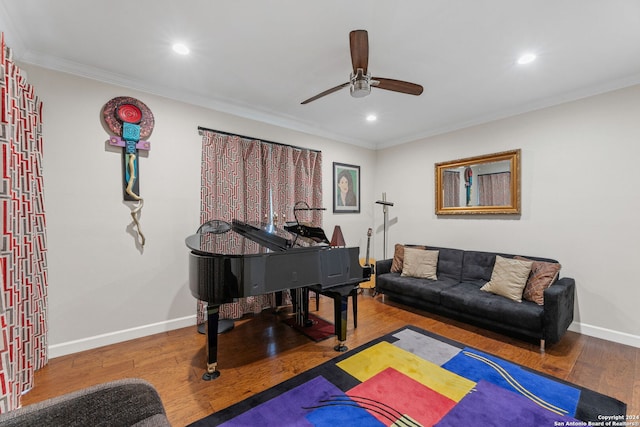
(542, 275)
(420, 263)
(508, 278)
(398, 257)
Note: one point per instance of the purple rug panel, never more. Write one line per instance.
(287, 409)
(491, 405)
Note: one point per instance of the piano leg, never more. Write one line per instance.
(340, 296)
(340, 308)
(305, 308)
(279, 299)
(301, 307)
(354, 303)
(279, 302)
(213, 315)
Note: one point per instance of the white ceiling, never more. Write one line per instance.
(259, 59)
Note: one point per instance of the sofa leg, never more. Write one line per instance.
(541, 346)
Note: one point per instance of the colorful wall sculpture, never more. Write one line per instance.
(131, 122)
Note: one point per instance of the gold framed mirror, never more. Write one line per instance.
(488, 184)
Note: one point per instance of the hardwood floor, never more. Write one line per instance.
(262, 351)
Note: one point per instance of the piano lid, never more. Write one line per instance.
(228, 243)
(243, 238)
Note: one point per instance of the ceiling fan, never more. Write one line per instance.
(361, 81)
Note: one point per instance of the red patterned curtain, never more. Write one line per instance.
(242, 178)
(495, 189)
(23, 264)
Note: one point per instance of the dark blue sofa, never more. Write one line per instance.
(457, 294)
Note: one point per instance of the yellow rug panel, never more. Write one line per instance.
(375, 359)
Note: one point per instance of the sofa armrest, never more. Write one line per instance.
(558, 309)
(383, 266)
(125, 402)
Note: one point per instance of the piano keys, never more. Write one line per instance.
(229, 261)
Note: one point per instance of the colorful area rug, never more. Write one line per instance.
(319, 329)
(414, 378)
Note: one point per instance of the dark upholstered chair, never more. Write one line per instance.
(126, 402)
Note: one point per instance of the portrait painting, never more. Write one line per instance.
(346, 188)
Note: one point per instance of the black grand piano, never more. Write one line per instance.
(229, 261)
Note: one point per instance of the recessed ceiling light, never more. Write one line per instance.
(180, 49)
(372, 118)
(527, 58)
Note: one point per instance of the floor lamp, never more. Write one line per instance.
(385, 209)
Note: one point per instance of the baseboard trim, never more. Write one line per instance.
(606, 334)
(89, 343)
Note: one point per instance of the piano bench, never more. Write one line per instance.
(354, 301)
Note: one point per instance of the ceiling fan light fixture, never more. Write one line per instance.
(360, 89)
(360, 82)
(360, 86)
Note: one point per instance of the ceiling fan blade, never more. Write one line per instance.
(397, 86)
(359, 43)
(325, 93)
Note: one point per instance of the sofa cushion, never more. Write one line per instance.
(508, 278)
(449, 262)
(420, 263)
(420, 289)
(468, 298)
(477, 266)
(542, 275)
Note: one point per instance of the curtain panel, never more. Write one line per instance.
(23, 264)
(495, 189)
(245, 179)
(451, 188)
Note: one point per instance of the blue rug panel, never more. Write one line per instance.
(476, 365)
(334, 416)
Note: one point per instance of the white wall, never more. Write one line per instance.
(102, 288)
(580, 200)
(579, 206)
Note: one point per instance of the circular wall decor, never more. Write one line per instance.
(130, 110)
(129, 113)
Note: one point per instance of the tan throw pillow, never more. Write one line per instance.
(420, 263)
(542, 275)
(398, 257)
(508, 278)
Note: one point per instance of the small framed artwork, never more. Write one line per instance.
(346, 188)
